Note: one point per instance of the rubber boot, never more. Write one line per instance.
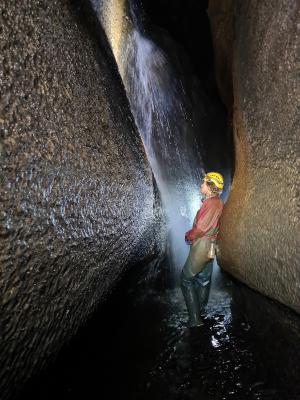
(203, 293)
(191, 301)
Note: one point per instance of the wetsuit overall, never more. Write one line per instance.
(197, 270)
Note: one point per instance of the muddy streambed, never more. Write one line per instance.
(139, 347)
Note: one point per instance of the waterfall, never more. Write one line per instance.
(168, 117)
(165, 119)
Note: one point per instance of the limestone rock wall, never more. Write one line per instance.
(257, 51)
(114, 18)
(76, 195)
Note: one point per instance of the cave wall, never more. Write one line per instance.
(76, 196)
(113, 16)
(256, 45)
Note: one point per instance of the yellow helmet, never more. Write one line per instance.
(215, 178)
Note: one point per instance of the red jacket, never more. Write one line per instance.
(206, 222)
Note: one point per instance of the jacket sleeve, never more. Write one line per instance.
(205, 219)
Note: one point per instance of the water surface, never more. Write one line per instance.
(140, 347)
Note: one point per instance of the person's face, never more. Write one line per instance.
(204, 189)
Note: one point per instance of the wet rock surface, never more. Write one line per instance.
(77, 193)
(146, 351)
(259, 230)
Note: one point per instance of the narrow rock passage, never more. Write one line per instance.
(138, 347)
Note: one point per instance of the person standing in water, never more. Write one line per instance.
(197, 270)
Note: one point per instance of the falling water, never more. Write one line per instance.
(168, 126)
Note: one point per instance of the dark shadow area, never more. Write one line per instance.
(276, 330)
(189, 27)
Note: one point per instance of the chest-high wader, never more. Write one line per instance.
(196, 276)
